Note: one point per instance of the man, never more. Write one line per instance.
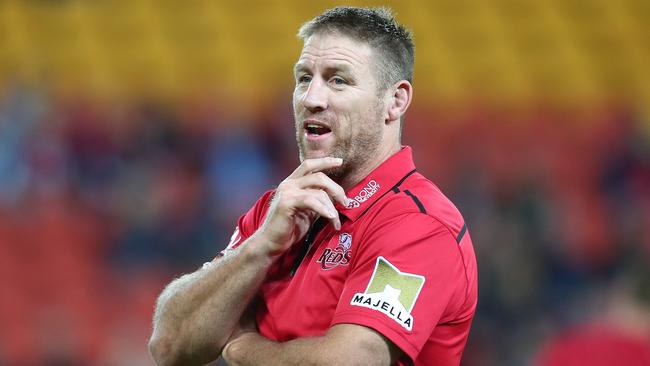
(355, 258)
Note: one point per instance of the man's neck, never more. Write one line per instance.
(356, 176)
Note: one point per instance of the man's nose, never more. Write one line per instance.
(315, 99)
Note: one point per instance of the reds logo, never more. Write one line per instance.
(339, 256)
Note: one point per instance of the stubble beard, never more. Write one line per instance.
(355, 151)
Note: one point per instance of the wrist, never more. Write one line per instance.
(261, 248)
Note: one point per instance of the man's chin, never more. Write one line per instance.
(317, 154)
(336, 174)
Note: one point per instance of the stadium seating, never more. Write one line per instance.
(498, 50)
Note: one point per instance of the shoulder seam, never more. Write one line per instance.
(460, 253)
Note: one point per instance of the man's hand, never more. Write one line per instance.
(299, 199)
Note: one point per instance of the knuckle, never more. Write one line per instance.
(293, 196)
(286, 185)
(323, 194)
(326, 181)
(308, 164)
(283, 185)
(286, 198)
(289, 204)
(312, 202)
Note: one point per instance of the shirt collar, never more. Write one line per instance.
(380, 181)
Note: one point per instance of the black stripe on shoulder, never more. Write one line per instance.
(461, 234)
(404, 178)
(396, 186)
(416, 200)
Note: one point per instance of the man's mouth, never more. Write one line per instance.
(315, 129)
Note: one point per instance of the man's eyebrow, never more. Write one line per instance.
(342, 67)
(298, 67)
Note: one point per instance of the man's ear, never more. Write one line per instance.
(400, 100)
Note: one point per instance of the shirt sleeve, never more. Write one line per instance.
(248, 223)
(406, 277)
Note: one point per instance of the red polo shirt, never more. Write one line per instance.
(402, 264)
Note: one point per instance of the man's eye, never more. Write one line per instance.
(338, 80)
(304, 79)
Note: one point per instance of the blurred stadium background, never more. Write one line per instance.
(133, 134)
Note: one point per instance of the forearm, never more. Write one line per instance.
(253, 349)
(196, 314)
(344, 344)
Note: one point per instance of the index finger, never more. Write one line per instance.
(309, 166)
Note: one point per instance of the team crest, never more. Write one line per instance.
(339, 256)
(391, 292)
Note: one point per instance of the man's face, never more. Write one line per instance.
(336, 103)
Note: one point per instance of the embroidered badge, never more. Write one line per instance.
(391, 292)
(339, 256)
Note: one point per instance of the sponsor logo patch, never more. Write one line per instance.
(391, 292)
(339, 256)
(364, 194)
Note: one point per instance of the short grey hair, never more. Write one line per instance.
(377, 27)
